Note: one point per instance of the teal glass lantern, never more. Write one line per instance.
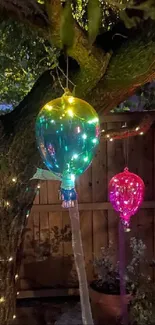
(67, 133)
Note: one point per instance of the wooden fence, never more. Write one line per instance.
(47, 261)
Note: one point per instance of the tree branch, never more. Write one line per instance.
(92, 61)
(132, 129)
(132, 66)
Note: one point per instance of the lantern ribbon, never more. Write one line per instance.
(76, 240)
(67, 192)
(80, 265)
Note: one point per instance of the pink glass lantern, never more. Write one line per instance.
(126, 193)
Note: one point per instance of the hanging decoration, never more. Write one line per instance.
(126, 193)
(67, 133)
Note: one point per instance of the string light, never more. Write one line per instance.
(10, 259)
(38, 186)
(108, 136)
(48, 107)
(16, 276)
(17, 293)
(70, 113)
(27, 214)
(102, 131)
(7, 203)
(14, 317)
(111, 139)
(141, 133)
(137, 128)
(2, 299)
(71, 100)
(14, 179)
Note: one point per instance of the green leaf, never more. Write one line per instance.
(94, 19)
(67, 26)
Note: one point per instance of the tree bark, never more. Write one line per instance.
(19, 158)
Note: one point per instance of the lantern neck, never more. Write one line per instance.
(68, 181)
(67, 92)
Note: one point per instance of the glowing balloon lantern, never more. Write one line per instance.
(67, 133)
(126, 193)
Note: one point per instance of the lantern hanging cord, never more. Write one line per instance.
(126, 149)
(67, 72)
(61, 85)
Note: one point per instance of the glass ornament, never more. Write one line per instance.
(67, 134)
(126, 193)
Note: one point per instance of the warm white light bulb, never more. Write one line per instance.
(48, 107)
(14, 179)
(70, 113)
(2, 299)
(141, 133)
(137, 128)
(14, 317)
(111, 139)
(10, 259)
(38, 186)
(71, 99)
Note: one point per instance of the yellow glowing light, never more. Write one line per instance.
(102, 130)
(111, 139)
(10, 259)
(16, 276)
(27, 215)
(137, 128)
(14, 317)
(7, 203)
(17, 293)
(38, 186)
(141, 133)
(70, 113)
(2, 299)
(14, 179)
(48, 107)
(71, 99)
(108, 136)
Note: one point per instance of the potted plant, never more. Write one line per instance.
(105, 290)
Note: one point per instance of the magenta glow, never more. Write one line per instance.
(126, 193)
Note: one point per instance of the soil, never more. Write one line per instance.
(108, 288)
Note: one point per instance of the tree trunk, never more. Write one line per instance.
(19, 159)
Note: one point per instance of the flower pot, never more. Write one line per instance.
(106, 308)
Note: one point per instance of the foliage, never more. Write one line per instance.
(24, 56)
(95, 15)
(138, 284)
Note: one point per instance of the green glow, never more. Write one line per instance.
(94, 140)
(84, 136)
(67, 135)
